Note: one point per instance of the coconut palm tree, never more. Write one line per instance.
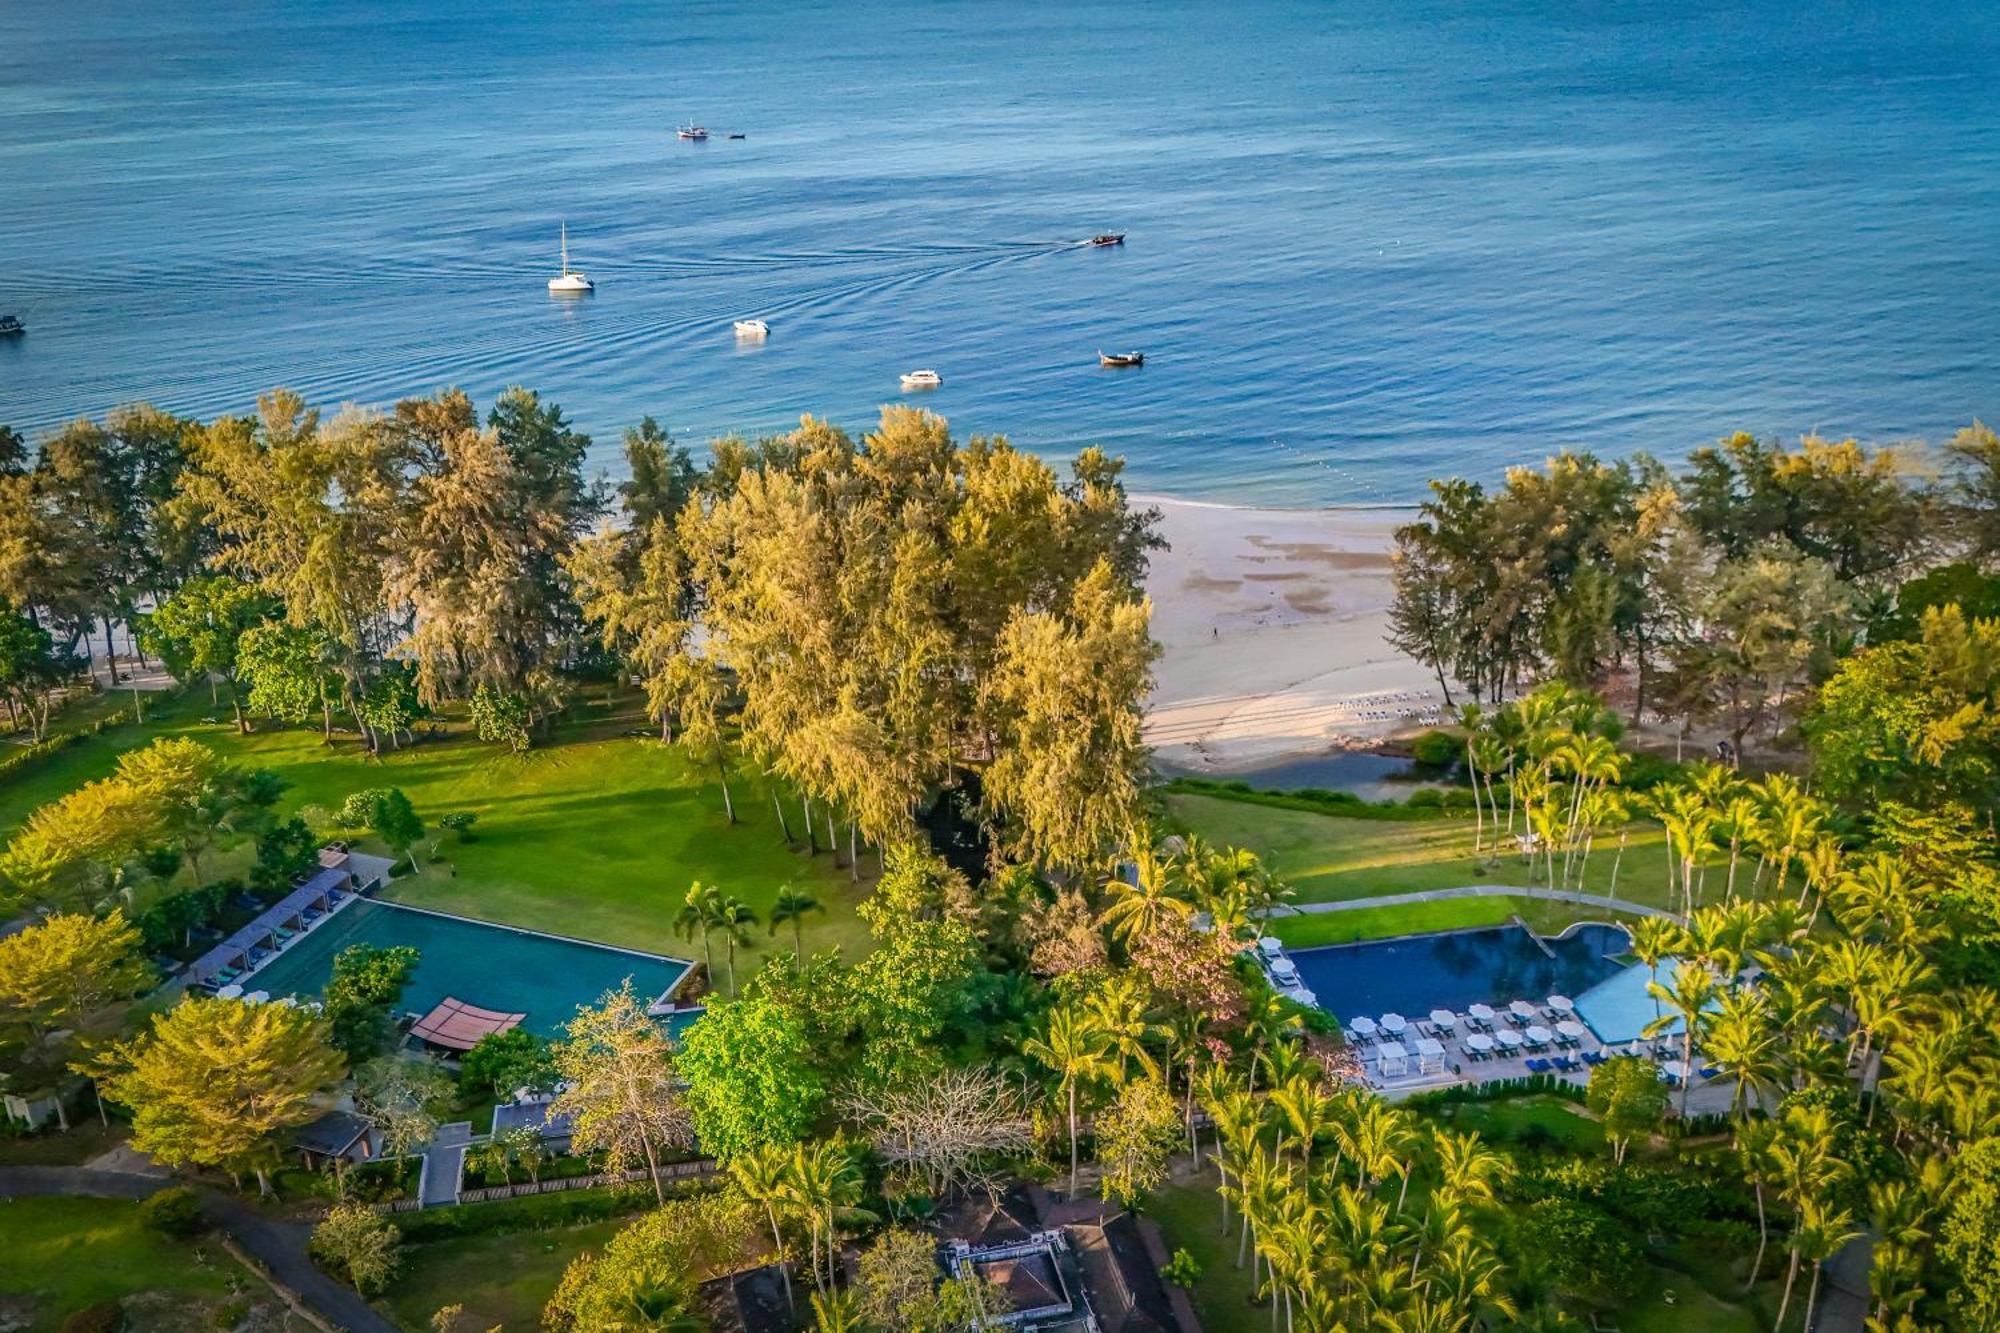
(1074, 1049)
(1467, 1167)
(823, 1181)
(732, 917)
(1266, 1019)
(1117, 1008)
(1753, 1151)
(793, 905)
(1740, 820)
(1823, 1229)
(1653, 939)
(761, 1173)
(836, 1312)
(697, 917)
(1151, 896)
(1694, 989)
(1745, 1043)
(1304, 1113)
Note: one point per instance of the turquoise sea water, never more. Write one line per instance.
(1369, 242)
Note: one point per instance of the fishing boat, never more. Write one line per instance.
(569, 282)
(10, 325)
(1121, 358)
(693, 133)
(1109, 238)
(752, 328)
(736, 136)
(922, 379)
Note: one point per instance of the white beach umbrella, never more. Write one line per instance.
(1393, 1023)
(1483, 1012)
(1562, 1004)
(1509, 1038)
(1570, 1028)
(1444, 1018)
(1479, 1041)
(1364, 1026)
(1521, 1009)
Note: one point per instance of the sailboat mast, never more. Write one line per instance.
(565, 249)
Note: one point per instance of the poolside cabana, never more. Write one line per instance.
(458, 1026)
(1430, 1055)
(273, 927)
(1392, 1059)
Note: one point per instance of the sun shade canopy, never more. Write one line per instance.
(458, 1026)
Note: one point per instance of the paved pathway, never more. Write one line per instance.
(278, 1245)
(444, 1165)
(1483, 891)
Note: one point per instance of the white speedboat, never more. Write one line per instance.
(922, 379)
(752, 328)
(570, 282)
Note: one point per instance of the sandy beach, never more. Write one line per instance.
(1272, 624)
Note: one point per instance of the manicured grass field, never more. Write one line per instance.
(1370, 923)
(594, 834)
(64, 1254)
(1189, 1213)
(1330, 858)
(501, 1280)
(1507, 1121)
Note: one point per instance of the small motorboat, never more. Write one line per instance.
(752, 328)
(11, 325)
(1109, 238)
(922, 379)
(1121, 358)
(693, 133)
(736, 136)
(569, 282)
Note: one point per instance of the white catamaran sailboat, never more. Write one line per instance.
(570, 282)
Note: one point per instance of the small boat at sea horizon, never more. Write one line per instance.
(10, 325)
(922, 379)
(1121, 358)
(570, 282)
(695, 133)
(752, 328)
(1108, 238)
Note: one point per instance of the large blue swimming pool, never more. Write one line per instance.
(1418, 973)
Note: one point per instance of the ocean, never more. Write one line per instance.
(1368, 243)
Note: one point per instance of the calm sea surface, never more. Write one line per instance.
(1369, 242)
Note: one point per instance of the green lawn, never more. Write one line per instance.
(1189, 1213)
(1331, 858)
(595, 835)
(501, 1280)
(1508, 1120)
(60, 1255)
(1369, 923)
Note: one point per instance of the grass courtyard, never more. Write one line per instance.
(502, 1281)
(63, 1255)
(594, 834)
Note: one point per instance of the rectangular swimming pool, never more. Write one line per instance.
(1415, 974)
(492, 966)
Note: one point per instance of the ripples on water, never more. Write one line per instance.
(1368, 244)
